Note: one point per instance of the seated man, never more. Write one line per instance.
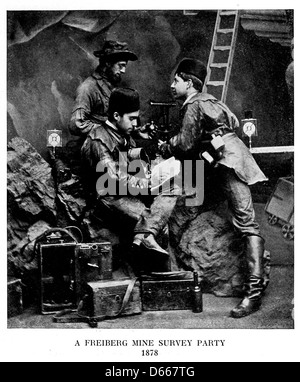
(126, 197)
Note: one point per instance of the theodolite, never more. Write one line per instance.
(163, 131)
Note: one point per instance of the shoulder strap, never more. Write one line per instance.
(126, 296)
(37, 239)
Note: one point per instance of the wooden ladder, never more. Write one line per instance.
(221, 54)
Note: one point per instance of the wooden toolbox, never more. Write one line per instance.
(111, 298)
(167, 291)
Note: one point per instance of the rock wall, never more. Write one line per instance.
(30, 189)
(200, 239)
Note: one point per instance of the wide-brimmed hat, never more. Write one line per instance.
(194, 67)
(115, 50)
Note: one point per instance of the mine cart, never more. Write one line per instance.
(280, 207)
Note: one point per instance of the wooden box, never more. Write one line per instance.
(280, 206)
(161, 292)
(112, 298)
(93, 262)
(281, 202)
(14, 297)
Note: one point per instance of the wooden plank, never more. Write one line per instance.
(222, 47)
(215, 83)
(266, 26)
(219, 65)
(228, 30)
(272, 149)
(228, 13)
(276, 15)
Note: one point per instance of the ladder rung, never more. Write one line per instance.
(228, 30)
(218, 65)
(215, 83)
(228, 13)
(224, 47)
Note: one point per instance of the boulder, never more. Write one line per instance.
(31, 209)
(30, 189)
(70, 195)
(205, 241)
(210, 246)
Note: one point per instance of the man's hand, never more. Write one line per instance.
(163, 149)
(144, 183)
(143, 135)
(147, 131)
(160, 142)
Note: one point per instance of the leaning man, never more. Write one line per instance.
(208, 130)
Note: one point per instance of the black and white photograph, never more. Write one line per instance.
(150, 161)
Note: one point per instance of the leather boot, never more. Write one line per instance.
(153, 259)
(254, 285)
(148, 241)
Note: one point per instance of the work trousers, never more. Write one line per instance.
(240, 202)
(144, 214)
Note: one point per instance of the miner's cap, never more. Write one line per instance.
(124, 100)
(192, 66)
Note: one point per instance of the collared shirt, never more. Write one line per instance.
(112, 126)
(91, 104)
(188, 98)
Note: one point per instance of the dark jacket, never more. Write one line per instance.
(105, 148)
(91, 104)
(204, 115)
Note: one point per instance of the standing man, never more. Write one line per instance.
(205, 118)
(124, 195)
(92, 97)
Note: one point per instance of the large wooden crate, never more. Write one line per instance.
(280, 206)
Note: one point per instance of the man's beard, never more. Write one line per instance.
(115, 79)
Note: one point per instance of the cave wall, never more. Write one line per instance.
(50, 53)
